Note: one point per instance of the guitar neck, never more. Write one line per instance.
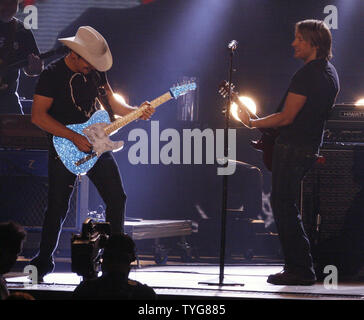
(23, 63)
(130, 117)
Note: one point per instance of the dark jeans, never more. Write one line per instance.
(290, 165)
(106, 178)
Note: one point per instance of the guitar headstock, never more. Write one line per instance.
(182, 89)
(224, 88)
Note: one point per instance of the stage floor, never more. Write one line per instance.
(198, 281)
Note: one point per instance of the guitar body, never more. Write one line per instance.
(266, 145)
(93, 131)
(98, 129)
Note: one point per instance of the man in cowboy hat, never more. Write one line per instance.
(67, 92)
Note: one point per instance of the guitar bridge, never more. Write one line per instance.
(85, 159)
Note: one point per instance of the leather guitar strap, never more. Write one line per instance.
(100, 80)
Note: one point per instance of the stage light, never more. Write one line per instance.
(360, 102)
(246, 101)
(119, 97)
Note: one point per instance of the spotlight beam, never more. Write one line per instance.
(247, 102)
(360, 102)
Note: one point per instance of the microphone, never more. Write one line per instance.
(233, 44)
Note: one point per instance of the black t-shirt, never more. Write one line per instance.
(113, 287)
(319, 82)
(16, 43)
(74, 94)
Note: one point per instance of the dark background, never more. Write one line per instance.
(155, 45)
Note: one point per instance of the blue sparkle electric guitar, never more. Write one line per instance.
(98, 129)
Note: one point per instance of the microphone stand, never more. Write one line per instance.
(225, 177)
(232, 47)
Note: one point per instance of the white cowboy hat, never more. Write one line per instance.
(91, 46)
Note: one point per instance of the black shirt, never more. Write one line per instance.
(319, 82)
(16, 43)
(74, 94)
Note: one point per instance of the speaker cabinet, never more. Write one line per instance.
(24, 189)
(24, 197)
(332, 206)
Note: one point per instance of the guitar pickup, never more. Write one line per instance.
(85, 159)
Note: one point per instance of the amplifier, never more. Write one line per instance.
(344, 128)
(332, 206)
(17, 131)
(23, 163)
(346, 112)
(24, 190)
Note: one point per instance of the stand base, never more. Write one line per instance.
(216, 282)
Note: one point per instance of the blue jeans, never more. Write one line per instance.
(290, 164)
(106, 178)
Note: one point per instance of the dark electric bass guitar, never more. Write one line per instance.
(4, 68)
(269, 135)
